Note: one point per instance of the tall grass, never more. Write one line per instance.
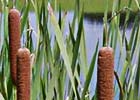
(58, 64)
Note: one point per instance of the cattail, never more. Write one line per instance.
(14, 40)
(23, 74)
(105, 74)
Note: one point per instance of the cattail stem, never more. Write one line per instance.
(14, 40)
(105, 74)
(23, 74)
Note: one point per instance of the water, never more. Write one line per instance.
(93, 32)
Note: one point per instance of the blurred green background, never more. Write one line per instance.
(90, 6)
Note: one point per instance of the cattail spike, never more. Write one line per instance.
(105, 76)
(23, 74)
(14, 40)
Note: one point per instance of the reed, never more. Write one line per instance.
(105, 74)
(60, 57)
(14, 40)
(23, 74)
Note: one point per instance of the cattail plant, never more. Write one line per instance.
(23, 74)
(14, 40)
(105, 74)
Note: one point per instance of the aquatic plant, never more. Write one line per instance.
(23, 74)
(105, 74)
(14, 41)
(59, 60)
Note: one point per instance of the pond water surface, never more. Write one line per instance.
(93, 32)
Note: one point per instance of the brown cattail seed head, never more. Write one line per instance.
(105, 74)
(23, 74)
(14, 40)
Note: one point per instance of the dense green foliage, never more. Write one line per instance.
(56, 69)
(95, 6)
(90, 6)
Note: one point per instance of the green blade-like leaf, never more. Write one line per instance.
(120, 85)
(90, 72)
(77, 44)
(1, 97)
(61, 44)
(71, 35)
(83, 54)
(25, 16)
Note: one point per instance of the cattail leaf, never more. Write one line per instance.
(63, 21)
(4, 70)
(58, 85)
(60, 90)
(120, 85)
(90, 72)
(56, 51)
(29, 38)
(131, 95)
(135, 42)
(62, 82)
(71, 35)
(60, 18)
(38, 14)
(132, 78)
(24, 17)
(137, 4)
(51, 86)
(10, 88)
(1, 97)
(77, 44)
(77, 75)
(133, 32)
(6, 22)
(137, 82)
(126, 21)
(125, 66)
(61, 44)
(47, 44)
(36, 75)
(43, 89)
(83, 55)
